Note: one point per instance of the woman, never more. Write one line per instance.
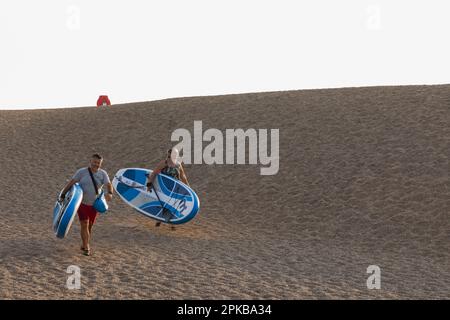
(170, 167)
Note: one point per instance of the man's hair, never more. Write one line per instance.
(97, 156)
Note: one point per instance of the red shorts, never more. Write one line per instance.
(86, 212)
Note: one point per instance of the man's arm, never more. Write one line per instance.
(110, 191)
(67, 188)
(76, 178)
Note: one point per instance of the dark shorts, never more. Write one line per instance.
(86, 212)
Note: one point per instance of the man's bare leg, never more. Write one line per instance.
(85, 234)
(90, 231)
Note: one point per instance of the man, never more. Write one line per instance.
(86, 212)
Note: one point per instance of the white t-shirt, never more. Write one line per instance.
(83, 177)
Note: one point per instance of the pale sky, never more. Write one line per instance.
(61, 53)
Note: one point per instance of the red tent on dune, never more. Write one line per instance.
(103, 101)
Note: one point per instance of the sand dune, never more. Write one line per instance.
(363, 180)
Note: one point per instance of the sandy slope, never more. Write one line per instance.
(363, 180)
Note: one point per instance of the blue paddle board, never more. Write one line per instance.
(64, 212)
(169, 201)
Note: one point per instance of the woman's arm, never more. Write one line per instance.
(157, 170)
(183, 175)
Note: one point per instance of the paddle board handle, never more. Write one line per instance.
(61, 196)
